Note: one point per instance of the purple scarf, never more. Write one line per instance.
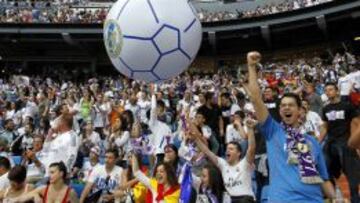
(210, 195)
(299, 153)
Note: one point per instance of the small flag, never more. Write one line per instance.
(186, 184)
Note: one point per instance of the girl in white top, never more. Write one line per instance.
(236, 173)
(18, 186)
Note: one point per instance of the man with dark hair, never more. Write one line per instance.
(212, 114)
(297, 167)
(4, 170)
(314, 99)
(105, 179)
(337, 116)
(271, 101)
(228, 109)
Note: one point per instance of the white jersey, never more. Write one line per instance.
(237, 179)
(160, 131)
(105, 181)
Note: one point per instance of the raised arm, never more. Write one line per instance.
(194, 132)
(250, 153)
(140, 176)
(153, 110)
(86, 191)
(253, 89)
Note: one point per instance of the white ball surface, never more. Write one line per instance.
(152, 40)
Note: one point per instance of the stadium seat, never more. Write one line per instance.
(78, 188)
(17, 160)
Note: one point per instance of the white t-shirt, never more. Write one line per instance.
(344, 85)
(159, 130)
(355, 78)
(88, 169)
(63, 147)
(144, 106)
(99, 178)
(123, 141)
(32, 170)
(232, 134)
(10, 114)
(99, 116)
(234, 108)
(312, 124)
(237, 179)
(95, 138)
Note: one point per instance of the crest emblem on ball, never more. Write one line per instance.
(114, 39)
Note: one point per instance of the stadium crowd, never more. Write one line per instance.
(278, 132)
(69, 11)
(267, 9)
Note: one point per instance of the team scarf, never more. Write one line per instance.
(209, 195)
(299, 154)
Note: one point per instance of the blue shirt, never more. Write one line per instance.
(285, 184)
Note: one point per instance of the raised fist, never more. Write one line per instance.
(253, 58)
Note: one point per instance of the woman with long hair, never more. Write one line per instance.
(164, 187)
(171, 156)
(209, 186)
(120, 136)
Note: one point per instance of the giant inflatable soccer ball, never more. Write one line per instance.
(152, 40)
